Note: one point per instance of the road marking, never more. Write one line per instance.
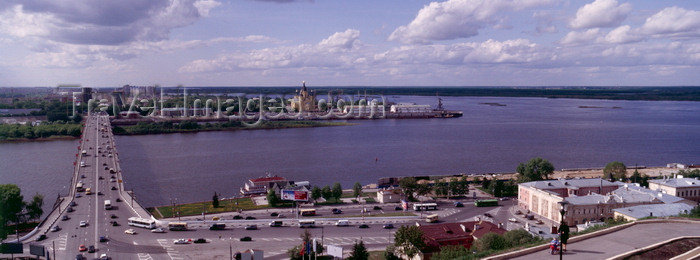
(144, 256)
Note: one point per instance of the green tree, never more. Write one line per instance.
(359, 252)
(34, 210)
(272, 198)
(534, 170)
(337, 191)
(408, 185)
(615, 171)
(636, 177)
(498, 189)
(215, 200)
(491, 241)
(408, 241)
(423, 189)
(442, 188)
(298, 252)
(357, 190)
(519, 237)
(326, 193)
(315, 193)
(451, 252)
(459, 187)
(486, 184)
(10, 205)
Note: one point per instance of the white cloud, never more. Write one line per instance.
(600, 13)
(455, 19)
(673, 21)
(584, 37)
(339, 41)
(623, 34)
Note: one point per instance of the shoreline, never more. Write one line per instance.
(41, 139)
(265, 126)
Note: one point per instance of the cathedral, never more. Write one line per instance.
(304, 100)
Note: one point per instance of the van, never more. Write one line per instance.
(218, 226)
(342, 223)
(276, 223)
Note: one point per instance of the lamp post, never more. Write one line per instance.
(563, 227)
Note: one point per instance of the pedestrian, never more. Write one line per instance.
(564, 236)
(553, 245)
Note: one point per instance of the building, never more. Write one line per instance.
(410, 108)
(304, 100)
(459, 233)
(655, 210)
(687, 188)
(389, 196)
(261, 185)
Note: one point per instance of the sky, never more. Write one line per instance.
(349, 43)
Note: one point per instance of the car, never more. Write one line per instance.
(342, 223)
(106, 168)
(280, 216)
(114, 223)
(104, 164)
(113, 216)
(130, 231)
(276, 223)
(377, 208)
(104, 257)
(91, 249)
(65, 217)
(246, 239)
(274, 214)
(337, 211)
(458, 204)
(114, 188)
(513, 220)
(55, 229)
(251, 227)
(200, 241)
(103, 239)
(158, 230)
(505, 198)
(112, 180)
(388, 226)
(82, 248)
(237, 217)
(70, 209)
(82, 176)
(181, 241)
(398, 208)
(488, 215)
(100, 178)
(78, 195)
(539, 222)
(83, 223)
(518, 212)
(99, 193)
(363, 226)
(72, 204)
(119, 200)
(249, 217)
(80, 257)
(365, 210)
(217, 226)
(41, 237)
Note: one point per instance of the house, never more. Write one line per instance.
(261, 185)
(687, 188)
(389, 196)
(458, 233)
(656, 210)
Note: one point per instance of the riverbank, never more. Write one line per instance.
(42, 132)
(191, 126)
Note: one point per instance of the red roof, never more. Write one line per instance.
(442, 233)
(269, 179)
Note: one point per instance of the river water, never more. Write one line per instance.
(488, 138)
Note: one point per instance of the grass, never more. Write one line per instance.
(196, 208)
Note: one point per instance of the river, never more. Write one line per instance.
(494, 135)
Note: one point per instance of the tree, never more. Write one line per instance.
(315, 193)
(451, 252)
(459, 187)
(491, 241)
(359, 252)
(326, 192)
(615, 171)
(215, 200)
(408, 241)
(423, 189)
(272, 198)
(442, 188)
(34, 210)
(10, 205)
(337, 191)
(298, 252)
(519, 237)
(357, 190)
(498, 188)
(408, 185)
(536, 169)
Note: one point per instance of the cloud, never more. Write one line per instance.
(346, 40)
(88, 22)
(623, 34)
(600, 13)
(455, 19)
(673, 21)
(584, 37)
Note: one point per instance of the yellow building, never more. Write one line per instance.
(304, 100)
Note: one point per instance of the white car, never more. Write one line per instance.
(130, 231)
(158, 230)
(83, 223)
(513, 220)
(181, 241)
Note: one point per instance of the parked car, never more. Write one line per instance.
(363, 226)
(246, 238)
(65, 217)
(200, 241)
(55, 228)
(513, 220)
(72, 204)
(251, 227)
(158, 230)
(114, 188)
(91, 249)
(181, 241)
(82, 248)
(130, 231)
(114, 223)
(83, 223)
(113, 216)
(388, 226)
(70, 209)
(78, 195)
(488, 215)
(119, 200)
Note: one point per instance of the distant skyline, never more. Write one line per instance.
(349, 43)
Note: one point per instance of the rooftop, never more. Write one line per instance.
(621, 195)
(568, 183)
(656, 210)
(269, 179)
(447, 231)
(678, 182)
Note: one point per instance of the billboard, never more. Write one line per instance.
(336, 251)
(37, 250)
(295, 195)
(11, 248)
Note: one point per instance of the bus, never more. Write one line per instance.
(79, 187)
(307, 223)
(486, 203)
(142, 222)
(177, 226)
(308, 212)
(425, 206)
(432, 218)
(108, 204)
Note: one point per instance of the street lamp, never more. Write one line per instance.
(563, 228)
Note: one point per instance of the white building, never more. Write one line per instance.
(687, 188)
